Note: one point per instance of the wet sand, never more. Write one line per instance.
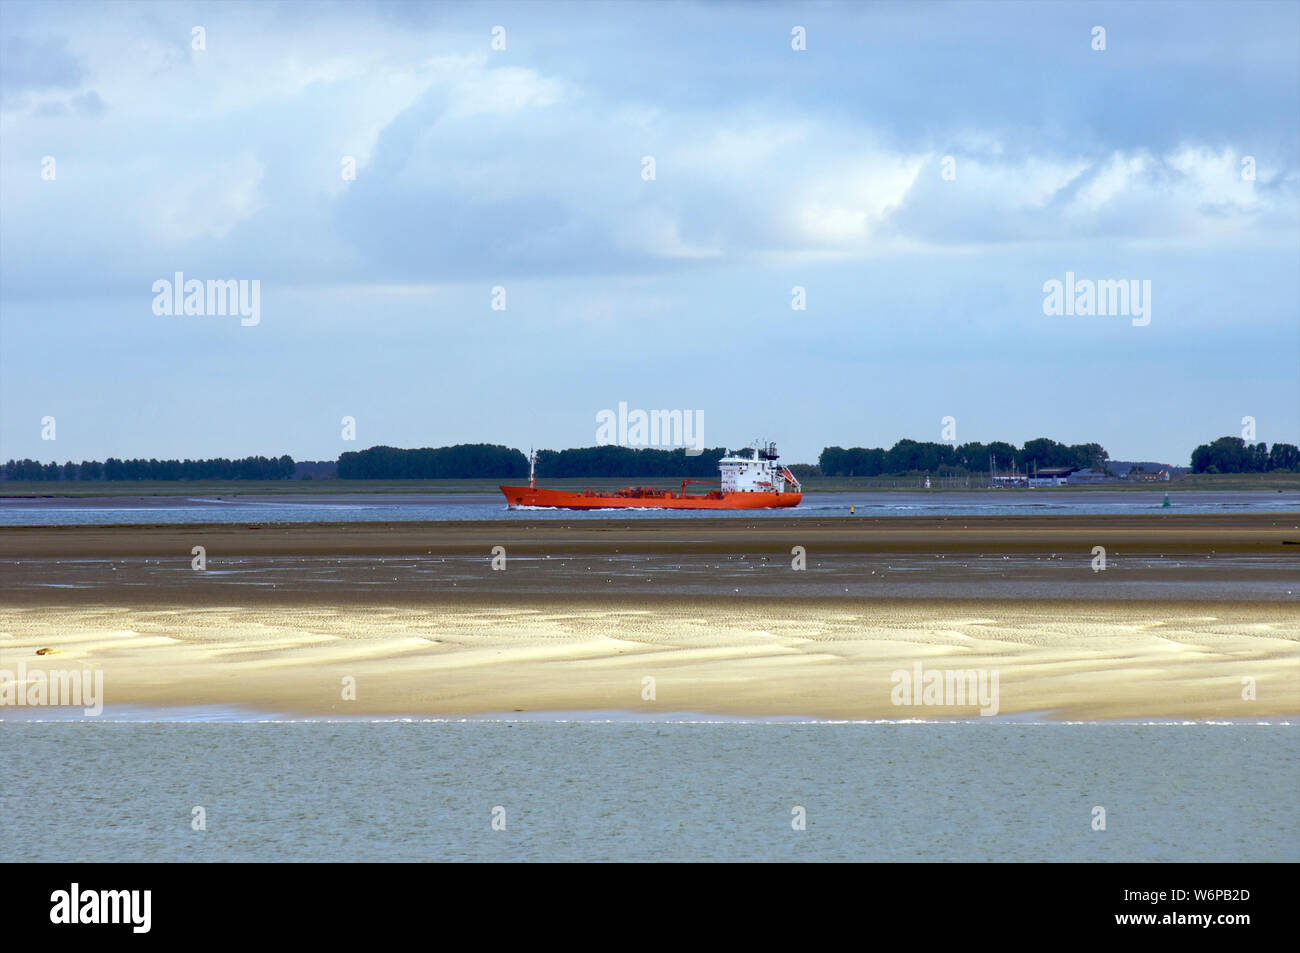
(1155, 534)
(710, 610)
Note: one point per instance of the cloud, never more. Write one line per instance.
(37, 64)
(209, 202)
(473, 165)
(87, 104)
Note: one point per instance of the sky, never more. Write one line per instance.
(387, 173)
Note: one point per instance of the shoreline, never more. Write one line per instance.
(235, 715)
(1273, 481)
(1193, 533)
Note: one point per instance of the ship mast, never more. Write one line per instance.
(532, 468)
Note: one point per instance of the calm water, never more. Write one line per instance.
(475, 506)
(425, 791)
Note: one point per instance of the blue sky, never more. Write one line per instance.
(522, 168)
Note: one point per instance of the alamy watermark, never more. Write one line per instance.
(55, 688)
(213, 297)
(128, 907)
(654, 428)
(948, 688)
(1121, 297)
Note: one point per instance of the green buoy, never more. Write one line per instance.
(1166, 502)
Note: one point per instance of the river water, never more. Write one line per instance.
(364, 508)
(646, 790)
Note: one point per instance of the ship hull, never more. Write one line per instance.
(664, 500)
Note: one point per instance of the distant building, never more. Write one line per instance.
(1046, 476)
(1124, 468)
(1149, 476)
(1051, 476)
(1089, 475)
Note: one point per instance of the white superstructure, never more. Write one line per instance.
(756, 470)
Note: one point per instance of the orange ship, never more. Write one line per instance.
(757, 481)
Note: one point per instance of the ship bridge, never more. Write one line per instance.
(756, 469)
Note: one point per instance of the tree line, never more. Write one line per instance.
(488, 461)
(218, 468)
(463, 461)
(614, 461)
(491, 461)
(466, 460)
(911, 456)
(1234, 455)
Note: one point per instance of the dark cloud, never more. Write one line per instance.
(29, 64)
(88, 104)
